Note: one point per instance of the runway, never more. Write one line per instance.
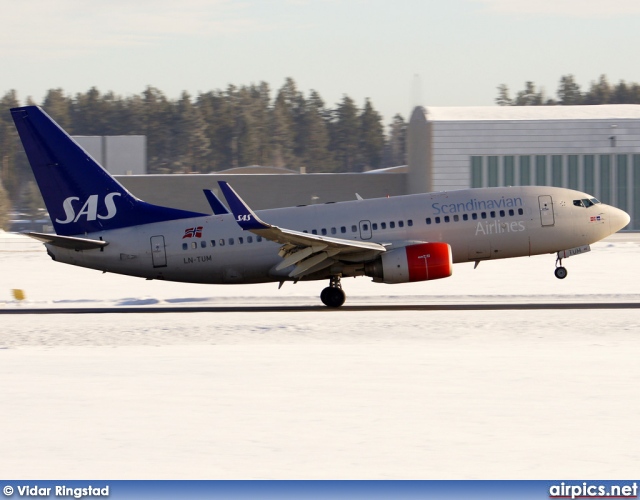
(357, 308)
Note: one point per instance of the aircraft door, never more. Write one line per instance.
(158, 252)
(365, 230)
(547, 217)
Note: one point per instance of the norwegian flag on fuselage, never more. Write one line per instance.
(193, 232)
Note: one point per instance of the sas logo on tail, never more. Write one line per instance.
(90, 208)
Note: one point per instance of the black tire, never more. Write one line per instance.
(332, 297)
(561, 272)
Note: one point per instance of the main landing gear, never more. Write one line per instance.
(560, 272)
(333, 295)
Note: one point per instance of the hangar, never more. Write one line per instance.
(595, 149)
(589, 148)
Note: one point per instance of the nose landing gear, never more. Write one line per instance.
(333, 295)
(560, 272)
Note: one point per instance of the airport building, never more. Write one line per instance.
(595, 149)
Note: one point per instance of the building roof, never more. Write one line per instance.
(257, 169)
(508, 113)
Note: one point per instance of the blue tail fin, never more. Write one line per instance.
(80, 195)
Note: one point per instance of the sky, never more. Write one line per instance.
(397, 53)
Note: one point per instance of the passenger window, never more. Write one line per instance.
(410, 222)
(428, 220)
(502, 214)
(465, 216)
(314, 231)
(194, 244)
(520, 211)
(231, 242)
(249, 239)
(333, 230)
(474, 216)
(392, 224)
(383, 225)
(456, 218)
(212, 243)
(240, 240)
(185, 246)
(437, 220)
(258, 239)
(483, 215)
(343, 229)
(323, 231)
(446, 218)
(221, 242)
(401, 223)
(365, 227)
(511, 212)
(354, 229)
(493, 214)
(203, 244)
(374, 226)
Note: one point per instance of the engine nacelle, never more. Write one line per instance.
(421, 262)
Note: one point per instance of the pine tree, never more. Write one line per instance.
(345, 136)
(371, 137)
(569, 93)
(5, 207)
(157, 126)
(14, 170)
(58, 106)
(599, 92)
(286, 114)
(503, 98)
(529, 96)
(191, 146)
(313, 137)
(621, 94)
(396, 146)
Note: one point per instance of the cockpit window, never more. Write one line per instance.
(586, 202)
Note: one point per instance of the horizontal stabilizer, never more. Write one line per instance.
(216, 205)
(69, 242)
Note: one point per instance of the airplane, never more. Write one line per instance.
(100, 225)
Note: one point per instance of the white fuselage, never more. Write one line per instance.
(478, 224)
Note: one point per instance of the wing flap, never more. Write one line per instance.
(307, 252)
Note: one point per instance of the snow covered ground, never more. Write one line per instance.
(323, 394)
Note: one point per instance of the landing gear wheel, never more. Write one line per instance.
(561, 272)
(332, 297)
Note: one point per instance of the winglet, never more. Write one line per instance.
(245, 217)
(216, 205)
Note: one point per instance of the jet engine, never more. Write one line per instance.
(421, 262)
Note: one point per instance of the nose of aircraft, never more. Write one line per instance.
(618, 219)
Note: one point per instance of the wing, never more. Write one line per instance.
(307, 252)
